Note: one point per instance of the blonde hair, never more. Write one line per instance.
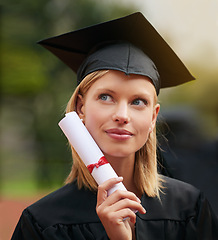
(146, 176)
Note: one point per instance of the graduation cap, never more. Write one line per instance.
(129, 44)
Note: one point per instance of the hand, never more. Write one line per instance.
(113, 209)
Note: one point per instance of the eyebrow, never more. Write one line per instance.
(137, 95)
(106, 89)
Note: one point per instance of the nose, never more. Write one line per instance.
(121, 114)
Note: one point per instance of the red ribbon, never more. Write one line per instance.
(100, 162)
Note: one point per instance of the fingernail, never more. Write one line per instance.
(138, 200)
(144, 210)
(120, 178)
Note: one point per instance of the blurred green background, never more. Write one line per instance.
(35, 86)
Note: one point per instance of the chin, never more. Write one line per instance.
(118, 153)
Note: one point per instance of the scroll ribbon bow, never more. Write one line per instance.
(100, 162)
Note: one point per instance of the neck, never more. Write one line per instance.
(124, 167)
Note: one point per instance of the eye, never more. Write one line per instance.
(105, 97)
(139, 102)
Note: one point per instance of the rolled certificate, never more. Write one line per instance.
(88, 150)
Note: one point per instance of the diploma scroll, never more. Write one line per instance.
(87, 149)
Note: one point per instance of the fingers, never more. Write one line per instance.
(117, 201)
(103, 188)
(128, 203)
(118, 217)
(122, 200)
(110, 183)
(116, 211)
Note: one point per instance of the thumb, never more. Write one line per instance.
(104, 187)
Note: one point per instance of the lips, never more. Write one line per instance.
(119, 134)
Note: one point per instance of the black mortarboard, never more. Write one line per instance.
(129, 44)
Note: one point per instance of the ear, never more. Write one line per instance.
(154, 116)
(80, 106)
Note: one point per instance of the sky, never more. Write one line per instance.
(189, 26)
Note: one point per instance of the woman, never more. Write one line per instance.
(116, 99)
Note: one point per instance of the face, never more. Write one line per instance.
(119, 111)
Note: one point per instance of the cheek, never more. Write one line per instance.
(144, 125)
(143, 135)
(144, 121)
(144, 131)
(93, 120)
(90, 121)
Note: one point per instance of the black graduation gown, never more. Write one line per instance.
(69, 213)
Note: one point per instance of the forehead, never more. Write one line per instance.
(115, 78)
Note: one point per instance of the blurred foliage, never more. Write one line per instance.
(35, 86)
